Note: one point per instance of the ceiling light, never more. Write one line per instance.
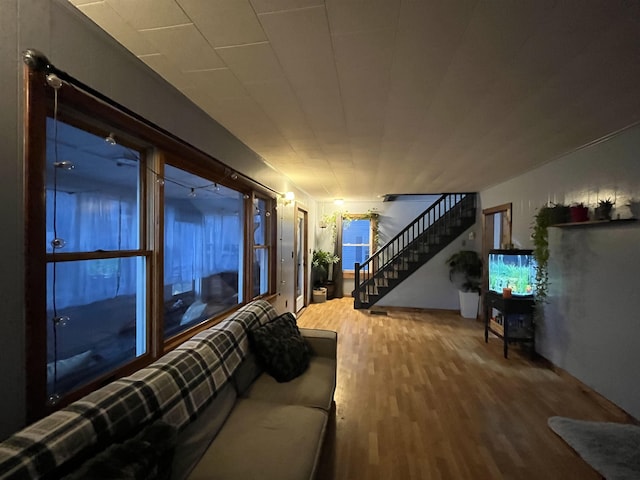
(339, 201)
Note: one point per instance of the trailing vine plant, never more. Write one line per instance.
(540, 236)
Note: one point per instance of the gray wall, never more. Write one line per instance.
(76, 45)
(590, 326)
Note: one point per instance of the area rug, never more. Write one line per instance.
(612, 449)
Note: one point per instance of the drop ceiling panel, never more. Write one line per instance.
(167, 70)
(141, 14)
(309, 66)
(263, 6)
(185, 46)
(219, 83)
(108, 19)
(405, 96)
(233, 23)
(254, 63)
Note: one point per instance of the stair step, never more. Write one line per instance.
(420, 250)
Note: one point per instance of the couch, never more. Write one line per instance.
(207, 409)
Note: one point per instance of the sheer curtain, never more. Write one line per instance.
(88, 222)
(196, 245)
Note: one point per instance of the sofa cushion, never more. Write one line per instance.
(147, 456)
(280, 348)
(197, 436)
(314, 388)
(263, 440)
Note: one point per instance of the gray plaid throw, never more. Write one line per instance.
(175, 388)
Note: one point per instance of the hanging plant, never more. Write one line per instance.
(540, 236)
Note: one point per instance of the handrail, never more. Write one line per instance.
(395, 247)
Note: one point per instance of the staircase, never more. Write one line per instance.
(421, 240)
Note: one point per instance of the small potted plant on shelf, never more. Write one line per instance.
(603, 210)
(465, 271)
(634, 207)
(579, 213)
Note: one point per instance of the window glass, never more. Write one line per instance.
(93, 194)
(202, 249)
(355, 242)
(96, 318)
(100, 322)
(260, 267)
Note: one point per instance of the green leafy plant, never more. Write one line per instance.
(320, 263)
(465, 270)
(540, 236)
(603, 210)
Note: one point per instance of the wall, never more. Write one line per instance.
(76, 45)
(590, 326)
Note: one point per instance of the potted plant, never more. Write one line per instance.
(603, 210)
(579, 213)
(320, 266)
(634, 207)
(465, 271)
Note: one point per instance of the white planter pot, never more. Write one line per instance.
(469, 302)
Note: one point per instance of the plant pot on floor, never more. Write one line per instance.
(469, 302)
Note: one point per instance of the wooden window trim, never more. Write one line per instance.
(95, 116)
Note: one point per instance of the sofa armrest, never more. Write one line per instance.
(322, 342)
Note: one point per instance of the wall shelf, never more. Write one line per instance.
(595, 223)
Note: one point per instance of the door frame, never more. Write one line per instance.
(300, 247)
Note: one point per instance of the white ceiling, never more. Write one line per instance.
(355, 99)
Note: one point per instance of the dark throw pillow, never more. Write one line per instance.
(281, 348)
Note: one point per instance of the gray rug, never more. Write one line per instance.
(613, 449)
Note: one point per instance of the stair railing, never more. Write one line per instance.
(418, 229)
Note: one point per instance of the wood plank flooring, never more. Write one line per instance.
(421, 396)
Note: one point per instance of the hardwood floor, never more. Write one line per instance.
(421, 396)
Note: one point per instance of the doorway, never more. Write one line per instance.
(300, 249)
(496, 233)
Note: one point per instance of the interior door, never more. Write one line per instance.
(496, 233)
(301, 277)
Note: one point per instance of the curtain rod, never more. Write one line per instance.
(38, 61)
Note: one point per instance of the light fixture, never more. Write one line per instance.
(289, 197)
(339, 201)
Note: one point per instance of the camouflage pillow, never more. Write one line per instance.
(280, 347)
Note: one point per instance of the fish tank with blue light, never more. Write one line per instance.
(514, 269)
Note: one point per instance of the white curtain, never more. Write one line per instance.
(196, 245)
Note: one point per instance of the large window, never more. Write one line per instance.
(135, 241)
(203, 249)
(356, 242)
(96, 301)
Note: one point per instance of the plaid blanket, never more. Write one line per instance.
(175, 388)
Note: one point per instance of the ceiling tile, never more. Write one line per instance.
(167, 70)
(219, 83)
(185, 46)
(254, 63)
(225, 22)
(263, 6)
(141, 14)
(348, 16)
(109, 20)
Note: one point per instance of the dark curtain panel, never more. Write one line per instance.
(337, 250)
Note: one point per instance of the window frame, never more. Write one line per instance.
(350, 272)
(81, 109)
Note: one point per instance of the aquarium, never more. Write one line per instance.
(514, 269)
